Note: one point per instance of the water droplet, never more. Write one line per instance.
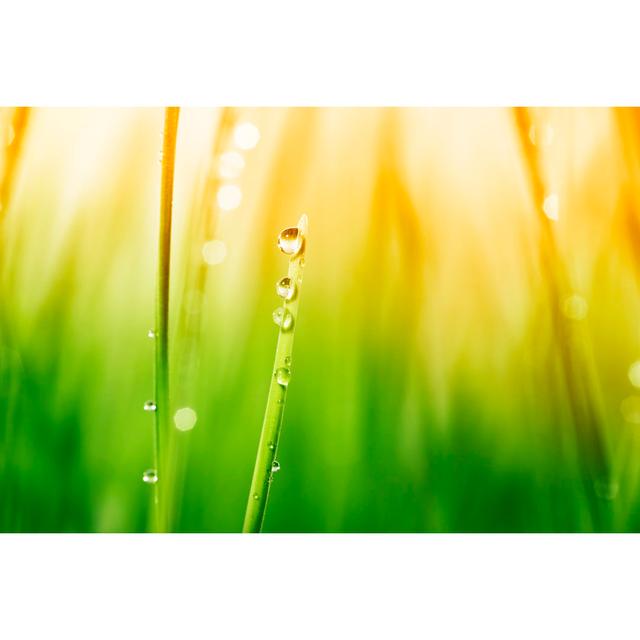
(283, 318)
(575, 307)
(275, 467)
(290, 241)
(283, 375)
(246, 135)
(285, 288)
(150, 405)
(272, 446)
(150, 476)
(287, 360)
(230, 164)
(185, 419)
(229, 197)
(551, 206)
(256, 496)
(214, 252)
(152, 334)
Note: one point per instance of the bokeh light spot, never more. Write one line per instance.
(246, 135)
(214, 252)
(229, 197)
(185, 419)
(231, 164)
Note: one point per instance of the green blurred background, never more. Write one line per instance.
(428, 391)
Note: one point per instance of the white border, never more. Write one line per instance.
(305, 587)
(336, 52)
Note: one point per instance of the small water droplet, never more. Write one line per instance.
(290, 241)
(150, 405)
(275, 467)
(285, 288)
(283, 375)
(152, 334)
(272, 446)
(150, 476)
(287, 360)
(256, 496)
(283, 318)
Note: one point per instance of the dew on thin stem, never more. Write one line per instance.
(150, 476)
(290, 241)
(283, 318)
(152, 334)
(275, 467)
(283, 375)
(285, 288)
(150, 405)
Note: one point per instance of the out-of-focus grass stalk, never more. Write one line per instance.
(578, 371)
(13, 151)
(201, 229)
(272, 424)
(162, 412)
(12, 363)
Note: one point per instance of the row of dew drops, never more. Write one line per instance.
(290, 242)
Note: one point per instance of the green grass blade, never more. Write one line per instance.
(272, 424)
(161, 425)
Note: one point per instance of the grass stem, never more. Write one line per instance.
(161, 425)
(286, 318)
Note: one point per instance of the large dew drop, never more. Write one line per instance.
(150, 405)
(283, 318)
(285, 288)
(290, 241)
(283, 375)
(275, 467)
(150, 476)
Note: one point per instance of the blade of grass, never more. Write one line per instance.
(579, 374)
(272, 424)
(161, 414)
